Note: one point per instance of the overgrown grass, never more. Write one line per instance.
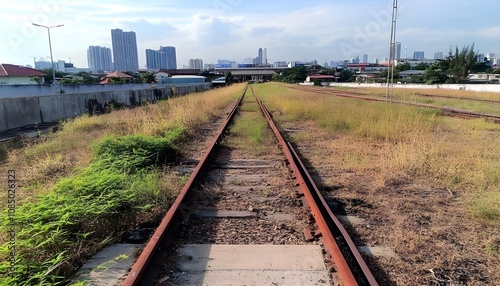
(120, 182)
(462, 155)
(250, 130)
(415, 96)
(75, 196)
(366, 119)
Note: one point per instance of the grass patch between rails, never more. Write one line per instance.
(250, 130)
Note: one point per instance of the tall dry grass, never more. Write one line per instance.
(44, 161)
(463, 155)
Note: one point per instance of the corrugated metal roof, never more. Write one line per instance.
(321, 76)
(252, 72)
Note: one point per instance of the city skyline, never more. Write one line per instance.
(324, 30)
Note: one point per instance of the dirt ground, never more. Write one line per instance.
(435, 240)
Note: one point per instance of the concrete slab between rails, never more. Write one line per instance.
(352, 220)
(377, 251)
(205, 264)
(225, 214)
(109, 266)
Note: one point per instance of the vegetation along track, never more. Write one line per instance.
(248, 197)
(446, 110)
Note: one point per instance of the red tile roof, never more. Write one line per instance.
(13, 70)
(119, 74)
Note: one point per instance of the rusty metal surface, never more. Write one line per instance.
(140, 266)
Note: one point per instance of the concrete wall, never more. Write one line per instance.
(35, 89)
(20, 80)
(21, 111)
(470, 87)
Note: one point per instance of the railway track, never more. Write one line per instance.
(446, 110)
(459, 97)
(249, 217)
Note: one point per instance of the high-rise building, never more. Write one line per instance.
(365, 59)
(261, 58)
(99, 59)
(124, 50)
(168, 58)
(398, 50)
(152, 59)
(42, 64)
(438, 56)
(196, 64)
(418, 55)
(164, 58)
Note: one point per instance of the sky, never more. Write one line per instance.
(322, 30)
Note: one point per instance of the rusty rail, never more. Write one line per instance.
(141, 272)
(322, 212)
(137, 275)
(446, 110)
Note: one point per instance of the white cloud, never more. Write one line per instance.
(235, 29)
(490, 33)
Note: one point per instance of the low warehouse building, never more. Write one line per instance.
(183, 79)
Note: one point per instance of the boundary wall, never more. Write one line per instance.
(17, 112)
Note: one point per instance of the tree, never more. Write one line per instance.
(462, 63)
(291, 75)
(148, 77)
(434, 76)
(403, 67)
(47, 75)
(346, 75)
(229, 76)
(421, 66)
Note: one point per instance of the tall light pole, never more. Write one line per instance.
(392, 54)
(50, 47)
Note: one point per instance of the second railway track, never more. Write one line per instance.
(446, 110)
(248, 217)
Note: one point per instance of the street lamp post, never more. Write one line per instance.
(50, 47)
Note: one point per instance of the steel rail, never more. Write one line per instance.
(306, 183)
(459, 97)
(139, 268)
(446, 110)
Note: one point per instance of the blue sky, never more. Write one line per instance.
(324, 30)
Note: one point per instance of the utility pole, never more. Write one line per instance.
(392, 56)
(50, 48)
